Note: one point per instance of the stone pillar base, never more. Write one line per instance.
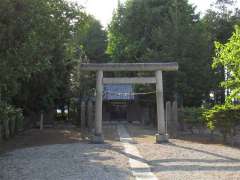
(97, 139)
(161, 138)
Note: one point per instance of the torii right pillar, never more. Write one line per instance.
(161, 135)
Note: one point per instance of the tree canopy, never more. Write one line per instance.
(44, 41)
(228, 56)
(164, 31)
(42, 44)
(93, 39)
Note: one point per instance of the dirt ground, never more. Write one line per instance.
(48, 136)
(187, 157)
(147, 134)
(61, 134)
(65, 134)
(63, 153)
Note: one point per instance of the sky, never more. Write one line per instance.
(103, 9)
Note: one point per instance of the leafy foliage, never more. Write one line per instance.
(93, 39)
(224, 118)
(11, 120)
(164, 31)
(42, 44)
(193, 117)
(228, 56)
(219, 23)
(34, 49)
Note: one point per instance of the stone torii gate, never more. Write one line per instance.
(158, 68)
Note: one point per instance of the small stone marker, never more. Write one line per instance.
(41, 121)
(1, 131)
(6, 129)
(12, 127)
(83, 115)
(145, 116)
(175, 114)
(90, 114)
(168, 115)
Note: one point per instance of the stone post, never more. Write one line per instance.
(12, 127)
(41, 121)
(97, 136)
(161, 136)
(6, 129)
(83, 116)
(1, 132)
(90, 114)
(145, 116)
(175, 116)
(168, 115)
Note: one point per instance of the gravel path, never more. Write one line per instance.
(67, 162)
(177, 160)
(140, 169)
(181, 160)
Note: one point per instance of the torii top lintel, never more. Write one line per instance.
(170, 66)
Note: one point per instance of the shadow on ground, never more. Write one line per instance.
(63, 154)
(68, 155)
(183, 154)
(64, 134)
(35, 137)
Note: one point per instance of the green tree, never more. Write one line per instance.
(164, 31)
(93, 38)
(219, 22)
(37, 52)
(228, 56)
(42, 45)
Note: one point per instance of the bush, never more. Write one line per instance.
(11, 120)
(225, 118)
(193, 117)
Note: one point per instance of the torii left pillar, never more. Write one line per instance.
(98, 136)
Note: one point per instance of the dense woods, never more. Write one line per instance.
(163, 31)
(43, 42)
